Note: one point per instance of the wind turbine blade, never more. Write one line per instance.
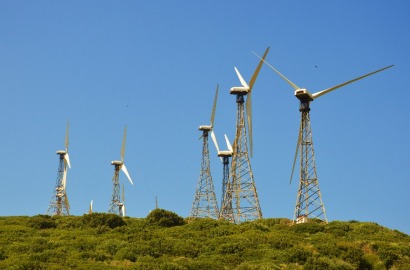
(123, 143)
(258, 68)
(296, 152)
(66, 135)
(280, 74)
(90, 211)
(214, 140)
(64, 178)
(123, 196)
(67, 159)
(321, 93)
(67, 203)
(124, 169)
(243, 82)
(123, 210)
(249, 115)
(228, 143)
(214, 106)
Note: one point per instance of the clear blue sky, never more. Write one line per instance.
(154, 66)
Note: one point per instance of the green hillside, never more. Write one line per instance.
(164, 240)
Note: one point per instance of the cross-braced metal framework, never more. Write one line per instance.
(59, 204)
(241, 190)
(116, 205)
(226, 211)
(205, 203)
(309, 202)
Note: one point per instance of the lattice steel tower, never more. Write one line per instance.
(59, 204)
(117, 206)
(309, 204)
(241, 192)
(205, 203)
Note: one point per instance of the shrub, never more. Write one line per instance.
(164, 218)
(100, 220)
(310, 227)
(42, 222)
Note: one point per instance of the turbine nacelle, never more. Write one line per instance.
(239, 90)
(205, 128)
(225, 153)
(61, 152)
(117, 162)
(303, 95)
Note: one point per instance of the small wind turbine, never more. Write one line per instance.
(205, 204)
(309, 199)
(59, 204)
(226, 201)
(118, 165)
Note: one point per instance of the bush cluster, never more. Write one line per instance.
(163, 240)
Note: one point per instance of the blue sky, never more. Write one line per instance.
(154, 66)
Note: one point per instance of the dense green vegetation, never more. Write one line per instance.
(163, 240)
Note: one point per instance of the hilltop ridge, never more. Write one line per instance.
(163, 240)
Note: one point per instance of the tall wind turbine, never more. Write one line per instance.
(309, 202)
(59, 204)
(116, 205)
(205, 203)
(225, 155)
(244, 201)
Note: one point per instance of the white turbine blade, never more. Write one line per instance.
(124, 169)
(249, 115)
(256, 72)
(296, 152)
(123, 194)
(214, 140)
(66, 136)
(214, 106)
(243, 82)
(321, 93)
(123, 143)
(90, 211)
(283, 77)
(215, 143)
(67, 203)
(228, 143)
(64, 178)
(67, 159)
(123, 210)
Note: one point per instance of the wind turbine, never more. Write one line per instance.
(59, 204)
(205, 203)
(309, 202)
(244, 201)
(225, 155)
(116, 205)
